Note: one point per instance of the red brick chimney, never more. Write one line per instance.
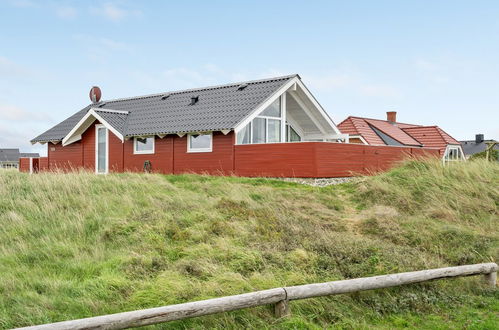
(391, 116)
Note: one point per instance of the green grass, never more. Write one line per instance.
(80, 245)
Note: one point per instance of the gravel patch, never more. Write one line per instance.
(320, 182)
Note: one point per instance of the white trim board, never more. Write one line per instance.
(97, 149)
(84, 123)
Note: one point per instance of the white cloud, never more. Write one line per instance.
(351, 82)
(14, 113)
(100, 49)
(9, 68)
(65, 12)
(114, 12)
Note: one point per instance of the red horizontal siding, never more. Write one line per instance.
(218, 162)
(276, 159)
(24, 164)
(65, 158)
(43, 164)
(303, 159)
(319, 159)
(161, 161)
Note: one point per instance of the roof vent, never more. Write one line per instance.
(165, 96)
(479, 138)
(242, 86)
(194, 99)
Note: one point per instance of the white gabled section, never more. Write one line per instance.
(265, 104)
(314, 110)
(87, 120)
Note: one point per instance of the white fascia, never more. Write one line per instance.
(265, 104)
(291, 86)
(85, 123)
(318, 106)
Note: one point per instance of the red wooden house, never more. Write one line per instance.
(378, 132)
(271, 127)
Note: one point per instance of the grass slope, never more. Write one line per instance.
(79, 245)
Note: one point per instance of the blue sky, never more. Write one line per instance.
(435, 62)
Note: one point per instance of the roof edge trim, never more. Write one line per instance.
(72, 137)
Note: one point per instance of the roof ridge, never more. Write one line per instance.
(396, 139)
(397, 122)
(202, 88)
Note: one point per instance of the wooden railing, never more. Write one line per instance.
(279, 296)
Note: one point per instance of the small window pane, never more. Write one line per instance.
(258, 130)
(293, 136)
(200, 141)
(101, 149)
(244, 136)
(274, 130)
(273, 110)
(144, 144)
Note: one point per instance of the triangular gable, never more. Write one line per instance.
(306, 100)
(112, 119)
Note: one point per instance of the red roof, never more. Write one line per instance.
(394, 131)
(405, 134)
(431, 136)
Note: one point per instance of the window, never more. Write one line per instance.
(143, 145)
(274, 130)
(259, 134)
(273, 110)
(265, 128)
(9, 165)
(453, 154)
(200, 142)
(244, 136)
(291, 134)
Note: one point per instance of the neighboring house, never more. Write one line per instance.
(271, 127)
(9, 158)
(479, 144)
(392, 133)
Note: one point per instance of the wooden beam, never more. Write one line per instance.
(172, 312)
(385, 281)
(279, 296)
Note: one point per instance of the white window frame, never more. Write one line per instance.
(282, 119)
(194, 150)
(97, 149)
(288, 126)
(460, 154)
(144, 152)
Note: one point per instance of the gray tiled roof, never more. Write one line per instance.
(12, 155)
(9, 155)
(471, 147)
(218, 108)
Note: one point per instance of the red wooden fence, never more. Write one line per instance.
(301, 159)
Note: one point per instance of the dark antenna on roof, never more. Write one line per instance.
(242, 86)
(165, 96)
(194, 99)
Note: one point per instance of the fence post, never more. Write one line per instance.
(281, 309)
(491, 279)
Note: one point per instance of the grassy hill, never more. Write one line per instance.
(79, 245)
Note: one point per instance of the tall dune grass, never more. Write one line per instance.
(78, 245)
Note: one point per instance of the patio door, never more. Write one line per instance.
(101, 149)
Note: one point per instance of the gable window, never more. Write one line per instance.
(265, 128)
(200, 142)
(143, 145)
(291, 134)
